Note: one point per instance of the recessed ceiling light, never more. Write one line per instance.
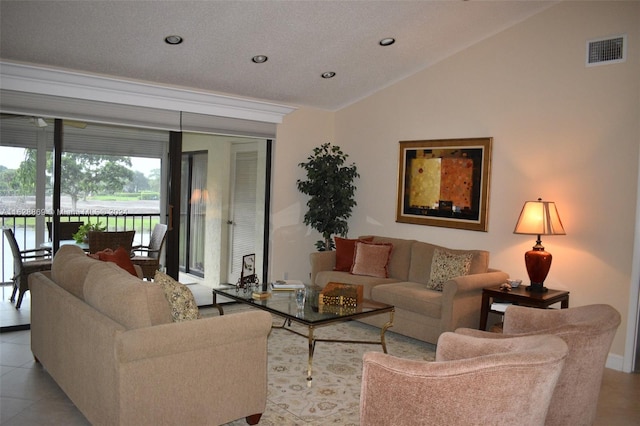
(388, 41)
(259, 59)
(173, 39)
(328, 74)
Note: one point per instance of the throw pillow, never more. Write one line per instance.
(446, 265)
(120, 257)
(181, 301)
(371, 259)
(345, 249)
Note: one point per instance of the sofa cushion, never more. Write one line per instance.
(181, 301)
(400, 256)
(124, 298)
(70, 267)
(371, 259)
(345, 249)
(367, 283)
(422, 256)
(120, 257)
(410, 296)
(446, 265)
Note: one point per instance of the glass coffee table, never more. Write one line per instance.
(283, 304)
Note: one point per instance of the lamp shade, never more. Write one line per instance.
(539, 218)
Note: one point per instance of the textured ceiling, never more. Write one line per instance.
(302, 39)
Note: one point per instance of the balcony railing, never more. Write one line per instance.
(24, 228)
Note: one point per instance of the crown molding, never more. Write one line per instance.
(71, 84)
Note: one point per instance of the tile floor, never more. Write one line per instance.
(28, 395)
(9, 315)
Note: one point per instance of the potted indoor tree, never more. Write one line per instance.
(329, 185)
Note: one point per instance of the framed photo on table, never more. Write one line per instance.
(248, 272)
(445, 182)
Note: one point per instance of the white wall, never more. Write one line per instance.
(291, 240)
(563, 132)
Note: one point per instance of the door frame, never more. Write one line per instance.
(172, 254)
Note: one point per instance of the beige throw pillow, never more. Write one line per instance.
(446, 265)
(181, 301)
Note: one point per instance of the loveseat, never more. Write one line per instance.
(110, 342)
(420, 312)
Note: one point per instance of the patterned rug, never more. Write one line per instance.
(333, 396)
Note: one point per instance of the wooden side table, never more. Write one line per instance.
(520, 296)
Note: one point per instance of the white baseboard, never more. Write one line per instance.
(615, 362)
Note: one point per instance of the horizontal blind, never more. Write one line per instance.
(49, 106)
(84, 137)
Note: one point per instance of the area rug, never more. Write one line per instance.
(333, 396)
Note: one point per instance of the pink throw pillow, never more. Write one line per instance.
(345, 249)
(371, 259)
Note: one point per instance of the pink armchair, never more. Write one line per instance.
(588, 332)
(474, 381)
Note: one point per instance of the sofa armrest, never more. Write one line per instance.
(462, 297)
(474, 282)
(321, 261)
(205, 371)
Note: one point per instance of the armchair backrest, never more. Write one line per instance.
(588, 332)
(15, 250)
(473, 381)
(157, 240)
(66, 229)
(99, 240)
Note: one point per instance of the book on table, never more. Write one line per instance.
(260, 295)
(287, 285)
(500, 306)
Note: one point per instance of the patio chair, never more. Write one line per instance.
(473, 381)
(148, 257)
(101, 240)
(25, 262)
(588, 331)
(66, 230)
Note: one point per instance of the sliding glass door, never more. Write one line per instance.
(223, 183)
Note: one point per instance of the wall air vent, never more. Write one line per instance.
(609, 50)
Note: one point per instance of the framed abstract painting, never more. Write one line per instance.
(445, 182)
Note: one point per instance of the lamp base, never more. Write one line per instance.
(537, 288)
(538, 262)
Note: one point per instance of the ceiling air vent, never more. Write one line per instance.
(606, 50)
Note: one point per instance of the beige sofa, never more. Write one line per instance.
(108, 340)
(420, 313)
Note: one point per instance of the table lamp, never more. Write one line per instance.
(538, 218)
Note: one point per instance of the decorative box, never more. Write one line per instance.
(339, 294)
(337, 310)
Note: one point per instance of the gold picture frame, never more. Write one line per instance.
(445, 182)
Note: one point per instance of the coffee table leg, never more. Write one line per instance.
(384, 330)
(312, 347)
(216, 305)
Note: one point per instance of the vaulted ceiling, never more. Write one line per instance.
(302, 40)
